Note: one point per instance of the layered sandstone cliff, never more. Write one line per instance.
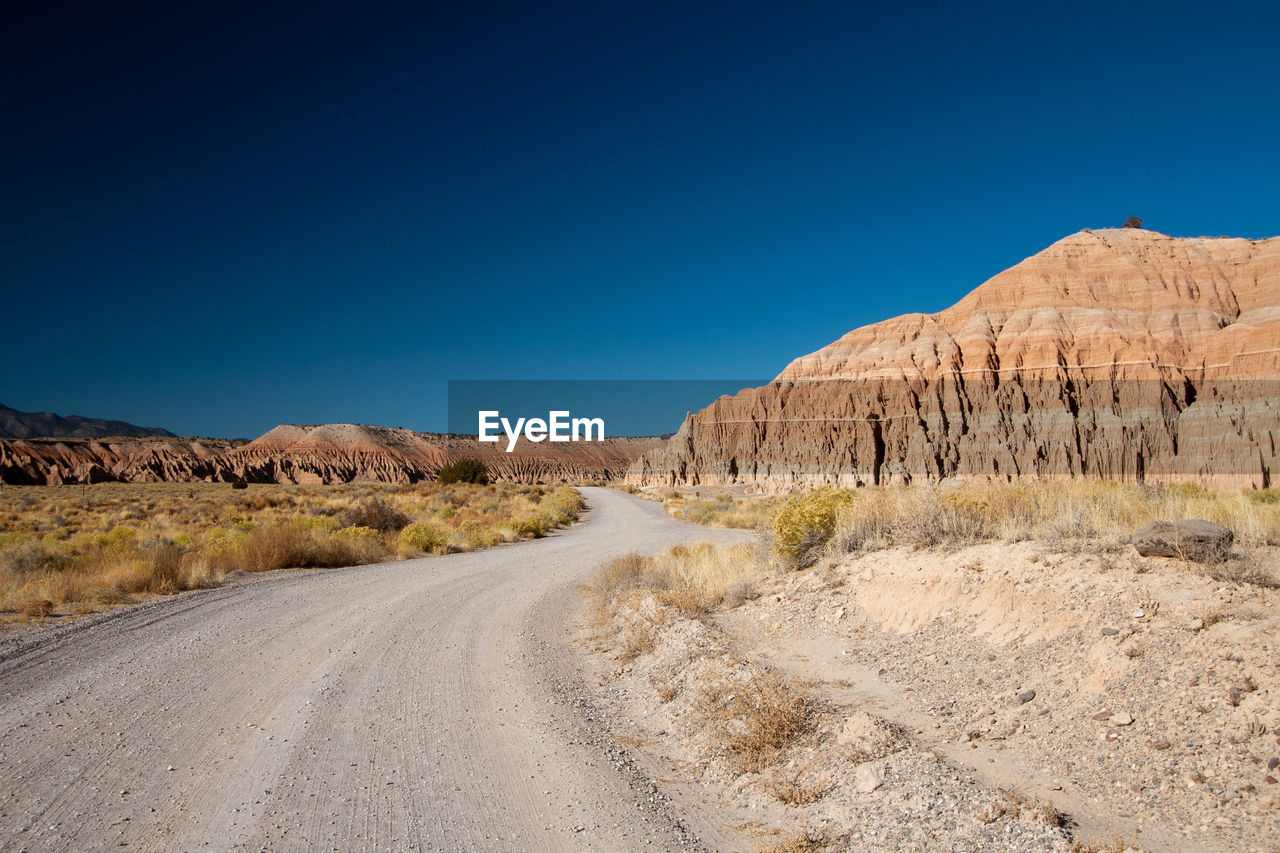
(1123, 354)
(58, 461)
(328, 453)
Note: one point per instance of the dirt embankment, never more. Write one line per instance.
(1000, 696)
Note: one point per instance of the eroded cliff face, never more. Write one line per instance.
(1123, 354)
(328, 453)
(58, 461)
(341, 453)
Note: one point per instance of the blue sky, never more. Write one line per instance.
(220, 220)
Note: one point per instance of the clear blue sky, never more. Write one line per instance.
(219, 220)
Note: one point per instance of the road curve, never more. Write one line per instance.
(426, 704)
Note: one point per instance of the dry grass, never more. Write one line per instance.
(69, 549)
(694, 579)
(749, 715)
(745, 513)
(963, 512)
(798, 842)
(752, 720)
(1070, 514)
(1116, 843)
(797, 787)
(1011, 805)
(1242, 569)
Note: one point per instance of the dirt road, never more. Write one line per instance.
(429, 704)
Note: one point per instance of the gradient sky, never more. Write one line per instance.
(221, 219)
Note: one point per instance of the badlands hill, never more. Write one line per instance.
(15, 424)
(1124, 354)
(328, 453)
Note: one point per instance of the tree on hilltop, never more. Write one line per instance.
(1133, 222)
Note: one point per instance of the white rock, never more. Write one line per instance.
(868, 777)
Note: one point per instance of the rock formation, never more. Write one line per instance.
(15, 424)
(328, 453)
(59, 461)
(1123, 354)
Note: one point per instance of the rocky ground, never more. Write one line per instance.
(1000, 696)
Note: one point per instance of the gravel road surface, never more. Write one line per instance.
(431, 704)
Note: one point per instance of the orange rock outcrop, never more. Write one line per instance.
(1122, 354)
(328, 453)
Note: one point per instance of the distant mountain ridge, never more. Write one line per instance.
(16, 424)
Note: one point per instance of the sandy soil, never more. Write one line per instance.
(978, 687)
(431, 704)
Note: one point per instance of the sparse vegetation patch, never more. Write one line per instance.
(71, 549)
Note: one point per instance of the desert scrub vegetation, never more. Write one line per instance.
(463, 471)
(1064, 513)
(723, 510)
(753, 716)
(693, 579)
(806, 522)
(71, 549)
(749, 715)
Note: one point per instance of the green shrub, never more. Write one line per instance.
(564, 505)
(805, 523)
(423, 538)
(532, 526)
(464, 471)
(472, 536)
(359, 532)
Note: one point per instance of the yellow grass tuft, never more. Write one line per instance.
(694, 579)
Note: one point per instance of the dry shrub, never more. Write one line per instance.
(619, 577)
(794, 789)
(806, 522)
(751, 722)
(638, 638)
(1116, 843)
(287, 545)
(962, 512)
(1043, 812)
(376, 514)
(744, 513)
(36, 608)
(472, 536)
(1246, 569)
(423, 537)
(798, 842)
(21, 557)
(694, 579)
(98, 544)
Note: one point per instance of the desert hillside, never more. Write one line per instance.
(1123, 353)
(327, 453)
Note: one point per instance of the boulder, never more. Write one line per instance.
(1193, 539)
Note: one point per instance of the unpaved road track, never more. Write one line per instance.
(430, 704)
